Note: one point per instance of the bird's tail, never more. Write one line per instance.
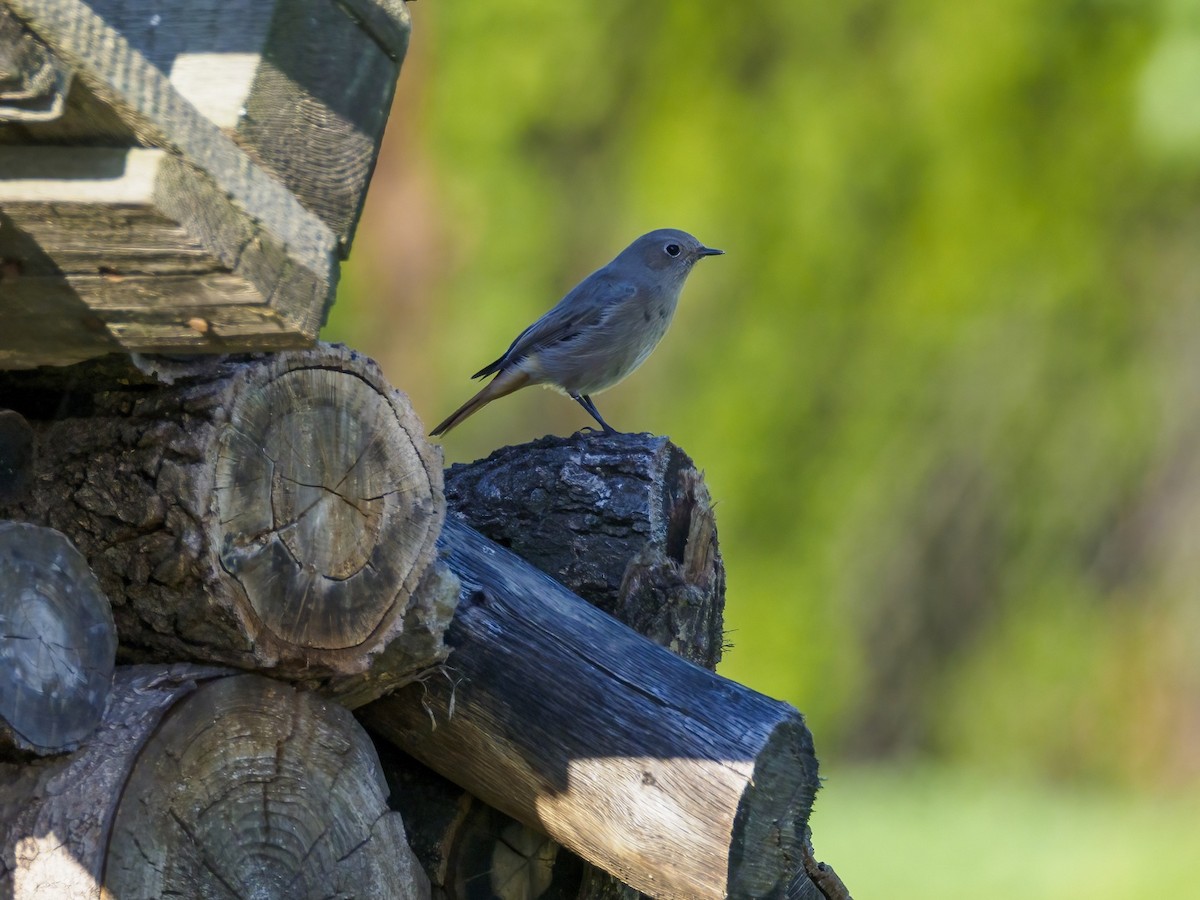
(500, 386)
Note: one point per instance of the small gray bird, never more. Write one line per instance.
(601, 331)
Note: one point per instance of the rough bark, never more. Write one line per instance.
(677, 781)
(204, 784)
(57, 642)
(624, 521)
(273, 511)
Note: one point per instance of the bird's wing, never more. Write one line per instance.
(586, 306)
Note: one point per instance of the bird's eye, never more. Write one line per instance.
(672, 249)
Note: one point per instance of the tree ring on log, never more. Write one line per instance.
(250, 788)
(325, 504)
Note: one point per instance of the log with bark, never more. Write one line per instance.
(57, 642)
(681, 783)
(276, 512)
(591, 510)
(204, 784)
(625, 521)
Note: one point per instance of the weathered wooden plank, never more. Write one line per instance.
(89, 211)
(304, 86)
(222, 201)
(320, 100)
(93, 259)
(144, 96)
(92, 264)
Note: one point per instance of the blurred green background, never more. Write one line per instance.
(944, 385)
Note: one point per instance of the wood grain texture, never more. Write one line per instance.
(55, 813)
(223, 202)
(624, 521)
(303, 86)
(33, 84)
(58, 642)
(271, 511)
(93, 259)
(145, 98)
(204, 784)
(253, 789)
(681, 783)
(321, 94)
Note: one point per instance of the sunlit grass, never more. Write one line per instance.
(929, 833)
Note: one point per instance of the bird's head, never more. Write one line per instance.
(668, 250)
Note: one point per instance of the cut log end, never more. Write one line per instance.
(273, 511)
(252, 788)
(57, 642)
(327, 505)
(767, 846)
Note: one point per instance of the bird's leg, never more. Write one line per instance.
(586, 402)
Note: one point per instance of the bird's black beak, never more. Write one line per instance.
(710, 251)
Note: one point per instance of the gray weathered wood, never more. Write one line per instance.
(145, 98)
(681, 783)
(94, 261)
(270, 114)
(304, 86)
(57, 642)
(624, 521)
(54, 813)
(271, 511)
(205, 784)
(320, 98)
(33, 84)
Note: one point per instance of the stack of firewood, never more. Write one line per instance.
(253, 641)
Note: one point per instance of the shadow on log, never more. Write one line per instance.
(469, 850)
(16, 456)
(681, 783)
(205, 784)
(275, 512)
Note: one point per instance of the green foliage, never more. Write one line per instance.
(938, 834)
(942, 384)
